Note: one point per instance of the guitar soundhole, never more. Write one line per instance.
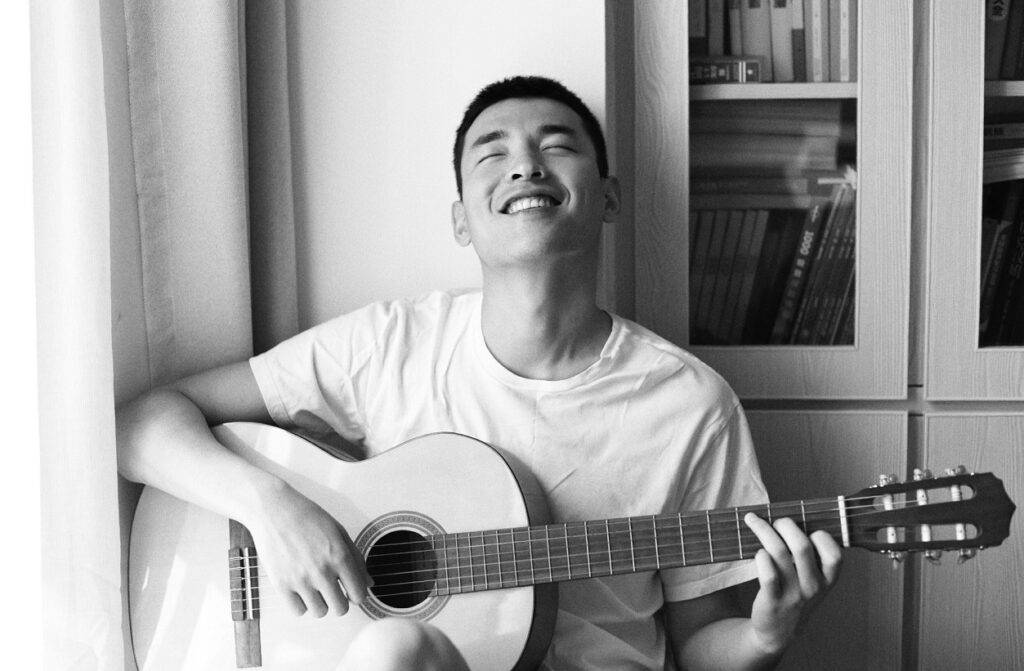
(403, 566)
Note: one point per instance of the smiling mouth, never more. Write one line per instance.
(530, 203)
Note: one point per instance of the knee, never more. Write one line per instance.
(397, 643)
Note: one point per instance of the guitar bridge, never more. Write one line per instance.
(243, 571)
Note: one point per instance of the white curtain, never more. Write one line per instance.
(142, 117)
(80, 535)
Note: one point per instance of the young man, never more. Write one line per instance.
(612, 419)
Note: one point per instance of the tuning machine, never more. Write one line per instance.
(891, 536)
(933, 556)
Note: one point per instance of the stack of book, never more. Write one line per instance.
(773, 41)
(1004, 39)
(1003, 151)
(772, 259)
(1001, 311)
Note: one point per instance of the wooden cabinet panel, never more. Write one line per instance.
(972, 614)
(956, 368)
(822, 454)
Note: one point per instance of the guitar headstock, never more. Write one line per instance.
(958, 511)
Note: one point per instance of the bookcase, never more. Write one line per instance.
(919, 385)
(652, 98)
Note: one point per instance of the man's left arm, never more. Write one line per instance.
(794, 572)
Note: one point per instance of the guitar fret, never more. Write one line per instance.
(608, 538)
(586, 540)
(739, 535)
(682, 539)
(711, 543)
(657, 551)
(558, 552)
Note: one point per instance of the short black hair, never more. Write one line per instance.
(528, 87)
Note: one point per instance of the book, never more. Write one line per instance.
(727, 276)
(1013, 43)
(703, 223)
(757, 33)
(816, 32)
(782, 154)
(835, 285)
(842, 31)
(781, 21)
(1003, 208)
(726, 69)
(777, 252)
(716, 245)
(757, 223)
(716, 27)
(796, 280)
(698, 27)
(796, 11)
(1008, 301)
(821, 268)
(996, 14)
(811, 182)
(773, 117)
(734, 23)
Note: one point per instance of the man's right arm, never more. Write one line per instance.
(164, 440)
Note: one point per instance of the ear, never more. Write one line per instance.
(460, 227)
(612, 199)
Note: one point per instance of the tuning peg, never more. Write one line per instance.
(933, 556)
(965, 554)
(887, 479)
(897, 557)
(959, 470)
(922, 474)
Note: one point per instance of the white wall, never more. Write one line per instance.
(378, 88)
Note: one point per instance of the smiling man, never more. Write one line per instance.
(611, 419)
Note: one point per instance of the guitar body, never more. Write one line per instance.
(179, 591)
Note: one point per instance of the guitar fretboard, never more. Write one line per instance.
(501, 558)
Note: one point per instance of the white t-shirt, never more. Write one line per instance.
(646, 429)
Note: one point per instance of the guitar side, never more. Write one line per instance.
(178, 566)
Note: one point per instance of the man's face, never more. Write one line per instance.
(531, 188)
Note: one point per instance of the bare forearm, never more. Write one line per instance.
(164, 441)
(727, 644)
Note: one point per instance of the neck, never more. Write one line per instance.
(543, 325)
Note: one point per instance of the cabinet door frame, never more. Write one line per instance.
(875, 367)
(955, 367)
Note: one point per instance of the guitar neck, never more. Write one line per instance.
(496, 559)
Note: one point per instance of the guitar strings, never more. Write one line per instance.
(722, 520)
(724, 546)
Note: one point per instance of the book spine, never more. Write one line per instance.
(1014, 37)
(798, 273)
(848, 40)
(834, 30)
(758, 226)
(704, 223)
(743, 220)
(996, 14)
(757, 34)
(725, 69)
(816, 27)
(811, 302)
(1014, 281)
(716, 27)
(725, 276)
(799, 41)
(735, 23)
(698, 27)
(782, 40)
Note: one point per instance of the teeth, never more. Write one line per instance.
(520, 204)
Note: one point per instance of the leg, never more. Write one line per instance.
(397, 643)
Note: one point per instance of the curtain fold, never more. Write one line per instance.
(149, 205)
(80, 539)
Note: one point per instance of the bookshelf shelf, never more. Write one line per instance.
(773, 91)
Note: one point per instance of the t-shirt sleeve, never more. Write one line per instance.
(725, 475)
(307, 380)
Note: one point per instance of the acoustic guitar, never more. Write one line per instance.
(454, 532)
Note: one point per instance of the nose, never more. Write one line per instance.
(527, 165)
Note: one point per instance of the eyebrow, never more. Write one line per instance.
(545, 130)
